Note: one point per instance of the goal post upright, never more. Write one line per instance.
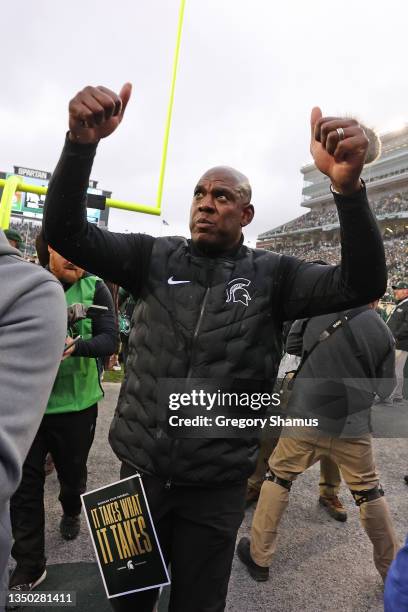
(15, 183)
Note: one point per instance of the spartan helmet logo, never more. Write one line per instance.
(236, 291)
(130, 564)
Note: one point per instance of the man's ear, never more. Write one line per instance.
(247, 215)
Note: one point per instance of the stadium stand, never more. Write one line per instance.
(396, 253)
(315, 235)
(29, 231)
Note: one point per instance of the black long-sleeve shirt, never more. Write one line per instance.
(305, 289)
(104, 341)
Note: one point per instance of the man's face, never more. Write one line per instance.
(13, 243)
(63, 269)
(220, 208)
(400, 294)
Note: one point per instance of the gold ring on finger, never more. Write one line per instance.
(340, 133)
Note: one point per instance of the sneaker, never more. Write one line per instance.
(20, 582)
(70, 526)
(334, 507)
(257, 572)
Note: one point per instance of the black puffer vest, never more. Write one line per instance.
(222, 323)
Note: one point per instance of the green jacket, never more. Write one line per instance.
(77, 385)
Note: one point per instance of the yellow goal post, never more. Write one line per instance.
(15, 183)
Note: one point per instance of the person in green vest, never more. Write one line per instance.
(67, 428)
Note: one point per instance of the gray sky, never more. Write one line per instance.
(249, 74)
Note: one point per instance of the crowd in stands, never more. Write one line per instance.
(396, 251)
(397, 260)
(395, 203)
(310, 219)
(387, 205)
(28, 231)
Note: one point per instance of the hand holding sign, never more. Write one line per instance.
(124, 538)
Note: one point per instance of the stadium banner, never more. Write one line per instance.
(124, 538)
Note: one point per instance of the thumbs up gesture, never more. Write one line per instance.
(96, 112)
(339, 148)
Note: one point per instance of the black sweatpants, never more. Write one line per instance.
(68, 437)
(197, 529)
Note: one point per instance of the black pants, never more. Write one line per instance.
(68, 437)
(197, 529)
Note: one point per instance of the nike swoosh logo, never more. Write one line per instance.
(175, 282)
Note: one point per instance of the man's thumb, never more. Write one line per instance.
(315, 115)
(124, 95)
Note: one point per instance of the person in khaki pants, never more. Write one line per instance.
(329, 482)
(344, 398)
(294, 455)
(330, 478)
(329, 486)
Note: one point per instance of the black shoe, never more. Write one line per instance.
(20, 582)
(257, 572)
(406, 478)
(70, 526)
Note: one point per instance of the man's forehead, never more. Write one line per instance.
(224, 174)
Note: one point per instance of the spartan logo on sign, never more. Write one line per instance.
(237, 292)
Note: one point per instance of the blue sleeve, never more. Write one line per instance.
(396, 584)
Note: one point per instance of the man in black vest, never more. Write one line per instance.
(207, 309)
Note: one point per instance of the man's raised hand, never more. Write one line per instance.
(338, 154)
(95, 112)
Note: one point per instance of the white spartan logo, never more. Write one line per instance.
(237, 292)
(130, 565)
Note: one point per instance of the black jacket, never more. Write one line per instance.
(398, 324)
(209, 326)
(334, 384)
(105, 337)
